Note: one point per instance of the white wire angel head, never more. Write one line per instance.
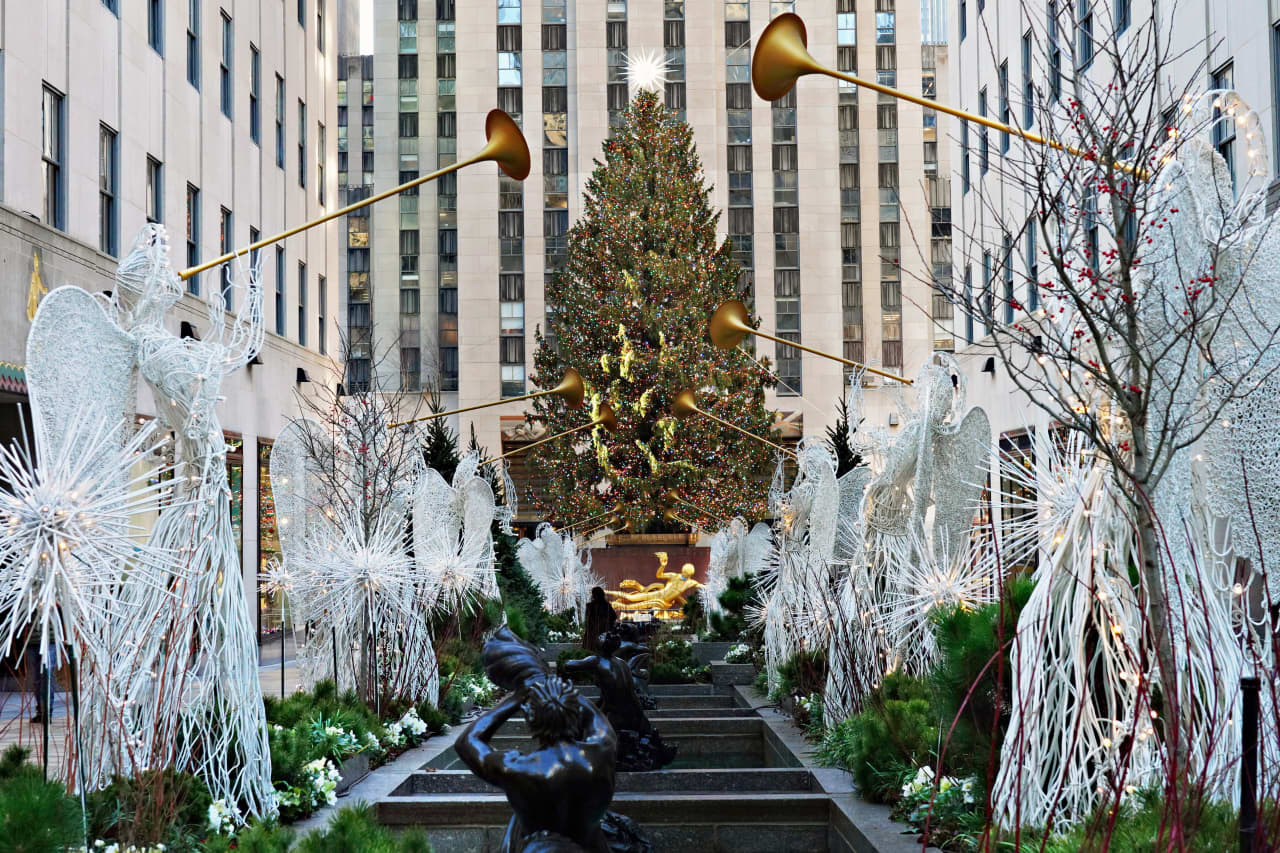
(146, 285)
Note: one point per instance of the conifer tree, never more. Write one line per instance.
(644, 273)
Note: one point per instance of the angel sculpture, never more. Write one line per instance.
(735, 553)
(452, 541)
(202, 709)
(560, 569)
(796, 613)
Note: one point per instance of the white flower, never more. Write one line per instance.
(223, 817)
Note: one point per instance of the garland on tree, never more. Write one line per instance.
(644, 273)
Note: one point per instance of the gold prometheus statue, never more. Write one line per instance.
(36, 289)
(668, 594)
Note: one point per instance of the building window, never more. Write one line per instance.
(320, 147)
(1055, 51)
(1224, 124)
(964, 19)
(968, 304)
(255, 94)
(964, 156)
(155, 25)
(281, 326)
(1033, 268)
(193, 235)
(225, 238)
(320, 39)
(1028, 88)
(1124, 14)
(193, 42)
(1009, 298)
(302, 13)
(322, 310)
(254, 236)
(1004, 104)
(113, 6)
(1275, 88)
(1084, 33)
(108, 174)
(302, 304)
(984, 145)
(224, 67)
(53, 147)
(155, 190)
(988, 315)
(279, 121)
(302, 144)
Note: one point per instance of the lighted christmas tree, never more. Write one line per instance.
(643, 275)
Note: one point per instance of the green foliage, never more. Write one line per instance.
(355, 828)
(256, 838)
(673, 663)
(440, 444)
(731, 625)
(351, 830)
(692, 615)
(155, 807)
(35, 816)
(967, 674)
(1143, 827)
(838, 435)
(803, 674)
(897, 732)
(520, 595)
(644, 271)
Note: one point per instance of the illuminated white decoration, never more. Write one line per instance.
(169, 670)
(647, 69)
(796, 585)
(452, 541)
(69, 533)
(735, 552)
(561, 570)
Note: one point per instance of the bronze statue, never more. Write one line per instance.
(640, 747)
(560, 792)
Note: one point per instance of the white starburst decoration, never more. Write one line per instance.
(67, 535)
(647, 70)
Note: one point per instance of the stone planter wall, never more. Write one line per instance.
(352, 771)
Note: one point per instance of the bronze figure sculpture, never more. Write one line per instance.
(640, 747)
(561, 790)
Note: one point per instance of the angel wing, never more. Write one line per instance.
(296, 485)
(79, 367)
(961, 462)
(849, 524)
(755, 549)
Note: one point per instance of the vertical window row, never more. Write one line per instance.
(359, 316)
(302, 143)
(447, 198)
(193, 236)
(108, 205)
(345, 65)
(939, 189)
(511, 207)
(738, 97)
(673, 41)
(888, 186)
(786, 234)
(224, 65)
(302, 304)
(226, 237)
(409, 340)
(555, 144)
(853, 334)
(616, 59)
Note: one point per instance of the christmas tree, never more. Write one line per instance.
(643, 275)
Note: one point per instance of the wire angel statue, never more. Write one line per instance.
(452, 541)
(561, 570)
(735, 552)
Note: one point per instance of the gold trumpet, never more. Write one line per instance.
(728, 326)
(609, 522)
(673, 496)
(782, 56)
(605, 418)
(570, 389)
(614, 511)
(671, 515)
(686, 405)
(505, 146)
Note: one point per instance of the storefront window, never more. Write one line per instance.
(235, 479)
(268, 544)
